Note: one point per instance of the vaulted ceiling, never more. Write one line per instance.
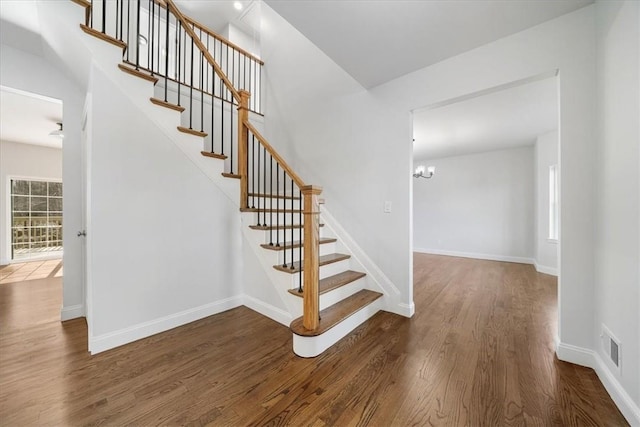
(378, 40)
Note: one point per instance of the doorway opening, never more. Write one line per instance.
(487, 171)
(31, 208)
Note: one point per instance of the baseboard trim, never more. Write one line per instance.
(114, 339)
(407, 310)
(281, 316)
(546, 270)
(489, 257)
(591, 359)
(71, 312)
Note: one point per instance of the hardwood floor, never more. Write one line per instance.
(478, 352)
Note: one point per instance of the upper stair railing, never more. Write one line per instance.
(193, 64)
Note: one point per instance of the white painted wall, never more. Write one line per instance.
(617, 243)
(249, 42)
(26, 161)
(339, 136)
(165, 243)
(546, 251)
(357, 143)
(477, 205)
(33, 73)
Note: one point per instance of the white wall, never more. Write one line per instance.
(337, 135)
(33, 73)
(357, 143)
(248, 42)
(477, 205)
(617, 243)
(546, 251)
(26, 161)
(165, 242)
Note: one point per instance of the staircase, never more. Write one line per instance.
(213, 86)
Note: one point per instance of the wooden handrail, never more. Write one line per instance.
(298, 181)
(224, 40)
(203, 49)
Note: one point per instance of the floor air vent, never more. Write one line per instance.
(611, 346)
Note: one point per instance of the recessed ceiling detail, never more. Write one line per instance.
(506, 118)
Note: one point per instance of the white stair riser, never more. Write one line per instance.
(327, 270)
(313, 346)
(288, 235)
(267, 202)
(297, 253)
(330, 298)
(274, 218)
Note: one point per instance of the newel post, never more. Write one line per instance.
(311, 314)
(243, 141)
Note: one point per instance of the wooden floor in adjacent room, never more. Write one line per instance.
(478, 352)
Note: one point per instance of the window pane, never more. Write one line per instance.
(21, 203)
(55, 204)
(38, 188)
(36, 218)
(20, 187)
(39, 204)
(55, 189)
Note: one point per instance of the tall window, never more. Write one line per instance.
(36, 218)
(553, 202)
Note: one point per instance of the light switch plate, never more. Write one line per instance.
(387, 206)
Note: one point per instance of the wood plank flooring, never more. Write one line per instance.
(478, 352)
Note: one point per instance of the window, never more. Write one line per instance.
(36, 218)
(553, 202)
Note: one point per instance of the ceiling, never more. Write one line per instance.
(378, 41)
(29, 118)
(216, 14)
(503, 118)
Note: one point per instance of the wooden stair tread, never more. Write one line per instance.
(192, 131)
(213, 155)
(298, 266)
(138, 73)
(333, 282)
(274, 196)
(263, 210)
(296, 244)
(231, 175)
(277, 227)
(103, 36)
(331, 316)
(166, 104)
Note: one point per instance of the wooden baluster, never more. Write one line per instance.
(243, 140)
(311, 314)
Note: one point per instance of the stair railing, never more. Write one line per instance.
(184, 55)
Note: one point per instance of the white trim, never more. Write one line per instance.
(30, 94)
(545, 269)
(490, 257)
(46, 257)
(114, 339)
(591, 359)
(9, 213)
(407, 310)
(281, 316)
(71, 312)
